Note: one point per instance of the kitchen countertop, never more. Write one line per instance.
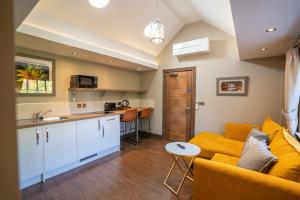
(27, 123)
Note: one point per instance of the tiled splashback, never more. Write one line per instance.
(26, 110)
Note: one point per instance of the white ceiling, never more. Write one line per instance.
(121, 20)
(216, 13)
(39, 44)
(117, 30)
(252, 18)
(21, 9)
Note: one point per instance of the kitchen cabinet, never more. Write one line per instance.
(30, 152)
(60, 146)
(89, 137)
(110, 132)
(52, 149)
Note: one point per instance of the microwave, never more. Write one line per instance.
(82, 81)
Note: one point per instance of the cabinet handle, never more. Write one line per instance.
(37, 133)
(103, 131)
(110, 119)
(47, 135)
(98, 124)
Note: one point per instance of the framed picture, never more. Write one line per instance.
(233, 86)
(35, 76)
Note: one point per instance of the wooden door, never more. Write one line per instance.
(179, 101)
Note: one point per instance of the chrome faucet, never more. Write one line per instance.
(40, 115)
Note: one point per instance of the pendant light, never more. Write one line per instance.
(155, 30)
(98, 3)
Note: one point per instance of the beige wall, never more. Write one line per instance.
(265, 89)
(8, 148)
(108, 77)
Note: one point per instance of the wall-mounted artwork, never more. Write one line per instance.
(233, 86)
(35, 76)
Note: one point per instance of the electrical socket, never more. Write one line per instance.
(79, 105)
(84, 105)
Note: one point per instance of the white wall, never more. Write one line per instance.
(265, 88)
(109, 77)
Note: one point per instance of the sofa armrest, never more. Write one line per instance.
(237, 131)
(217, 181)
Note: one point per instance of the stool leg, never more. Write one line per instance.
(129, 138)
(149, 127)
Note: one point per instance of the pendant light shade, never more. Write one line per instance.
(157, 33)
(98, 3)
(155, 30)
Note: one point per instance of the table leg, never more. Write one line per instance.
(176, 192)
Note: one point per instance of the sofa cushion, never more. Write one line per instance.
(257, 156)
(231, 160)
(212, 143)
(288, 165)
(257, 135)
(270, 128)
(238, 131)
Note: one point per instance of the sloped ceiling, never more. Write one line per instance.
(118, 29)
(216, 13)
(122, 21)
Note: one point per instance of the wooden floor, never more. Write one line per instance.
(137, 173)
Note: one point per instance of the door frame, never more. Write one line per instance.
(193, 70)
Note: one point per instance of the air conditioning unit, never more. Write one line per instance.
(193, 47)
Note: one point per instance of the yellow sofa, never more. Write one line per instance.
(216, 176)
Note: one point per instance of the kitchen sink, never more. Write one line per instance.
(54, 118)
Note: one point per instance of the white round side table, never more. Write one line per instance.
(180, 150)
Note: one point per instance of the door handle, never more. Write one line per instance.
(47, 135)
(37, 137)
(103, 131)
(110, 119)
(99, 125)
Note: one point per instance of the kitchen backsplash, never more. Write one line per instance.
(27, 110)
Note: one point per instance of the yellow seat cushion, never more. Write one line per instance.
(231, 160)
(237, 131)
(270, 128)
(212, 143)
(288, 165)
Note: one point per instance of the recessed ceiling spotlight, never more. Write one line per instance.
(74, 53)
(264, 49)
(98, 3)
(139, 69)
(110, 61)
(271, 30)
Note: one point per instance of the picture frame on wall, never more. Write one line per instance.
(233, 86)
(35, 76)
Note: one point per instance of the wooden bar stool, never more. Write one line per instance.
(145, 115)
(129, 116)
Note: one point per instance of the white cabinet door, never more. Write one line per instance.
(59, 145)
(88, 137)
(110, 132)
(30, 152)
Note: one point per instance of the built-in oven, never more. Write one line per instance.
(82, 81)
